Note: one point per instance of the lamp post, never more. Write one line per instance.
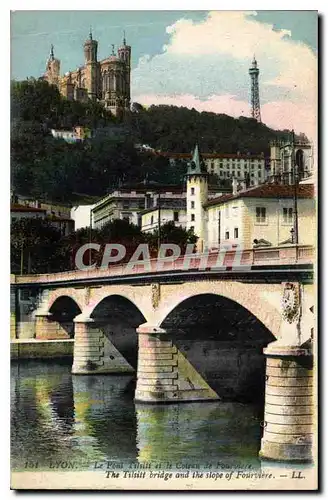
(159, 222)
(90, 237)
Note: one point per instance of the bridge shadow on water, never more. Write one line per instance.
(59, 418)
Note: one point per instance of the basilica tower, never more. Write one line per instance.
(124, 53)
(91, 66)
(52, 73)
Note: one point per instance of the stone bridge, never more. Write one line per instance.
(191, 334)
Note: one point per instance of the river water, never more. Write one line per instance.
(59, 420)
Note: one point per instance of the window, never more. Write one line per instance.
(288, 215)
(192, 204)
(176, 216)
(152, 220)
(260, 214)
(227, 235)
(24, 294)
(192, 191)
(192, 217)
(235, 232)
(234, 211)
(126, 204)
(192, 228)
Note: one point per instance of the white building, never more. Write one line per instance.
(129, 203)
(254, 168)
(239, 166)
(82, 216)
(260, 215)
(151, 217)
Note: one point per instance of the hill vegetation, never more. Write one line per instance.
(49, 168)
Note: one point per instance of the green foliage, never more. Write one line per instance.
(35, 246)
(40, 248)
(169, 233)
(49, 168)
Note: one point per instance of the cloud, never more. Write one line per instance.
(205, 65)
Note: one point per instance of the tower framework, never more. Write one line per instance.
(255, 93)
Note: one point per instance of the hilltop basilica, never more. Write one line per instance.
(106, 81)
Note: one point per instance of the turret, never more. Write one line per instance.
(124, 54)
(52, 68)
(90, 50)
(197, 194)
(91, 73)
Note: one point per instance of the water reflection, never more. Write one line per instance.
(59, 417)
(195, 432)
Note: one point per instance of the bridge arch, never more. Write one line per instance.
(62, 297)
(118, 317)
(223, 341)
(252, 297)
(63, 310)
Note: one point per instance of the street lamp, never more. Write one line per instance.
(159, 221)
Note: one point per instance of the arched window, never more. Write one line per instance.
(111, 85)
(300, 162)
(103, 83)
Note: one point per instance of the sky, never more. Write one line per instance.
(195, 59)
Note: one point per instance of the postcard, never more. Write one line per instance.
(163, 250)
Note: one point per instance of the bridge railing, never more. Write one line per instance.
(231, 260)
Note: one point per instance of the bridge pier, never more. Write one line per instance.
(93, 351)
(288, 419)
(48, 329)
(164, 374)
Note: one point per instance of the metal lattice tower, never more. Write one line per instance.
(255, 93)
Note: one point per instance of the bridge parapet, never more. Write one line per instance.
(276, 256)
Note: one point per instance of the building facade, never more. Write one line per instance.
(18, 211)
(130, 203)
(253, 168)
(289, 156)
(106, 81)
(151, 217)
(261, 216)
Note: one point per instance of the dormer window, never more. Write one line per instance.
(192, 191)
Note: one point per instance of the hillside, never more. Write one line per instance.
(49, 168)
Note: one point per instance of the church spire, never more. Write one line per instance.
(52, 56)
(90, 33)
(124, 39)
(196, 165)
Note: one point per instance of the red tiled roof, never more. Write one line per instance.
(56, 218)
(24, 208)
(267, 191)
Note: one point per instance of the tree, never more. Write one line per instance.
(35, 246)
(170, 233)
(48, 168)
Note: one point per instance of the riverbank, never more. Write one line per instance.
(41, 349)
